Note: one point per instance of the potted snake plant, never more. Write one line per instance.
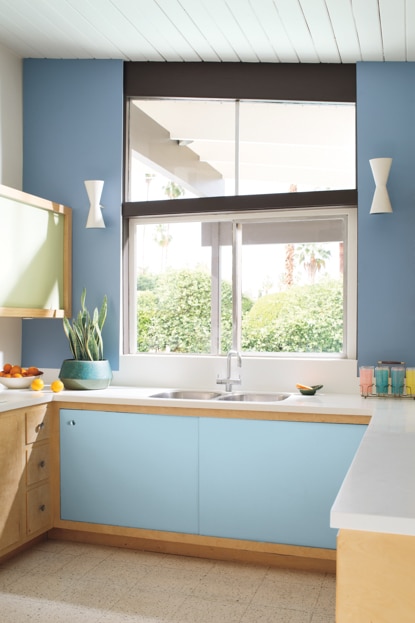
(88, 369)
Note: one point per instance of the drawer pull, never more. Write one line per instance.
(71, 423)
(40, 426)
(42, 508)
(42, 463)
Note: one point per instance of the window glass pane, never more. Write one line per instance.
(289, 146)
(209, 148)
(178, 289)
(292, 275)
(188, 142)
(292, 291)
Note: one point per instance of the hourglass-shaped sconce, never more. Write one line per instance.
(380, 169)
(94, 190)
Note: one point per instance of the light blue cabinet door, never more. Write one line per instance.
(273, 481)
(127, 469)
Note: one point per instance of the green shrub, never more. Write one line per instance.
(301, 319)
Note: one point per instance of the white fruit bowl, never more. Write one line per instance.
(22, 382)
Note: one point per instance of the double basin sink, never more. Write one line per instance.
(189, 394)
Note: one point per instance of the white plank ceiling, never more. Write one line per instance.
(268, 31)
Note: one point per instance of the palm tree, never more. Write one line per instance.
(289, 255)
(149, 177)
(289, 265)
(312, 257)
(163, 238)
(173, 190)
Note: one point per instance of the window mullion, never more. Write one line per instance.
(131, 315)
(237, 148)
(215, 336)
(236, 285)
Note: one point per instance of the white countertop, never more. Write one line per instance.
(378, 493)
(344, 404)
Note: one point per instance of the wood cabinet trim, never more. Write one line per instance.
(62, 212)
(273, 554)
(289, 416)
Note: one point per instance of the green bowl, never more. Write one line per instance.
(311, 391)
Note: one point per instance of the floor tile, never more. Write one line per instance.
(270, 614)
(231, 582)
(118, 574)
(323, 618)
(326, 599)
(299, 577)
(93, 593)
(63, 582)
(10, 576)
(75, 567)
(149, 605)
(197, 610)
(186, 562)
(291, 596)
(170, 580)
(148, 559)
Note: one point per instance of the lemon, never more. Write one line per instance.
(37, 385)
(57, 386)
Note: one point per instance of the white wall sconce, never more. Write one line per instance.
(94, 190)
(380, 169)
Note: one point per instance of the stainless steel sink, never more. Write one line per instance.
(187, 394)
(191, 394)
(254, 397)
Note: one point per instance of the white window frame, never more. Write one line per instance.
(350, 272)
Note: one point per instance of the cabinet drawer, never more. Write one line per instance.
(38, 509)
(37, 463)
(37, 424)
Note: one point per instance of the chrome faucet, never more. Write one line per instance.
(229, 381)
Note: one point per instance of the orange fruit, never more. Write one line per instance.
(15, 370)
(32, 371)
(17, 375)
(37, 385)
(57, 386)
(7, 367)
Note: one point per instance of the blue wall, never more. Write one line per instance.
(73, 112)
(386, 242)
(73, 131)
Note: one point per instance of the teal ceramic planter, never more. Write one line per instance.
(76, 374)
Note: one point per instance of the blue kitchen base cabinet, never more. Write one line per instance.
(254, 480)
(129, 469)
(273, 481)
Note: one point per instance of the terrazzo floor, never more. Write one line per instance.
(63, 582)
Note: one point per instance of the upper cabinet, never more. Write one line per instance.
(36, 248)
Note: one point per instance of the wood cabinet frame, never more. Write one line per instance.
(13, 196)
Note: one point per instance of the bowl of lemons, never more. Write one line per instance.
(18, 377)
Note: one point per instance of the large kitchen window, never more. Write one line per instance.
(260, 283)
(240, 212)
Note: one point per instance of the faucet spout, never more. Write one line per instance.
(229, 380)
(232, 353)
